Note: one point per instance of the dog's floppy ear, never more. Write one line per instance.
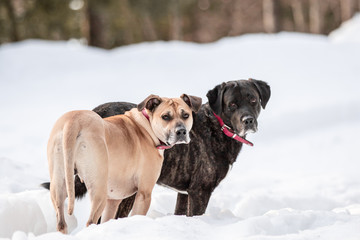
(151, 102)
(192, 101)
(215, 98)
(263, 89)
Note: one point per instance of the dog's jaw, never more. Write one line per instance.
(243, 132)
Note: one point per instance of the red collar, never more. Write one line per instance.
(230, 133)
(162, 145)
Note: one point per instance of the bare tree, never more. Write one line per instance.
(112, 23)
(348, 8)
(146, 20)
(270, 16)
(245, 17)
(126, 13)
(176, 21)
(299, 15)
(11, 13)
(315, 16)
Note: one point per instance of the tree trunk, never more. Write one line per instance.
(148, 28)
(347, 8)
(85, 22)
(270, 16)
(11, 12)
(299, 16)
(176, 24)
(96, 25)
(130, 21)
(316, 21)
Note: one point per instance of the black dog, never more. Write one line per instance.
(196, 169)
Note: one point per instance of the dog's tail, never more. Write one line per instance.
(70, 132)
(46, 185)
(80, 187)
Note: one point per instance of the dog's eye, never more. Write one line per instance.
(185, 116)
(253, 100)
(232, 106)
(166, 117)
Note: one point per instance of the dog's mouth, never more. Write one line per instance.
(178, 141)
(164, 145)
(169, 144)
(174, 139)
(181, 141)
(243, 132)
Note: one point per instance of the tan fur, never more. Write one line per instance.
(115, 157)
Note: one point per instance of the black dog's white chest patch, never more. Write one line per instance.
(174, 189)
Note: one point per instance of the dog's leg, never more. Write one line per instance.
(110, 210)
(125, 207)
(146, 183)
(181, 204)
(198, 201)
(57, 178)
(58, 195)
(97, 183)
(142, 202)
(98, 202)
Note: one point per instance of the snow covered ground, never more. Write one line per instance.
(300, 180)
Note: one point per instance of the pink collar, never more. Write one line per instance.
(230, 133)
(162, 145)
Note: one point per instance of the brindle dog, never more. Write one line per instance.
(196, 169)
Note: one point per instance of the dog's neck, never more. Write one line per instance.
(230, 147)
(140, 119)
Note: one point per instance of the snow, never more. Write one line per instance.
(299, 181)
(349, 32)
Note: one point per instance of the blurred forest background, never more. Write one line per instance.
(111, 23)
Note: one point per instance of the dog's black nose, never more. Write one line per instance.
(181, 132)
(248, 120)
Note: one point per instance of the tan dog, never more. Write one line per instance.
(115, 156)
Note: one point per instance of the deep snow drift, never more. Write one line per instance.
(299, 181)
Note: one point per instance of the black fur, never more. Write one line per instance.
(197, 168)
(113, 108)
(45, 185)
(80, 187)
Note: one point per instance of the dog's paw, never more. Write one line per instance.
(62, 227)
